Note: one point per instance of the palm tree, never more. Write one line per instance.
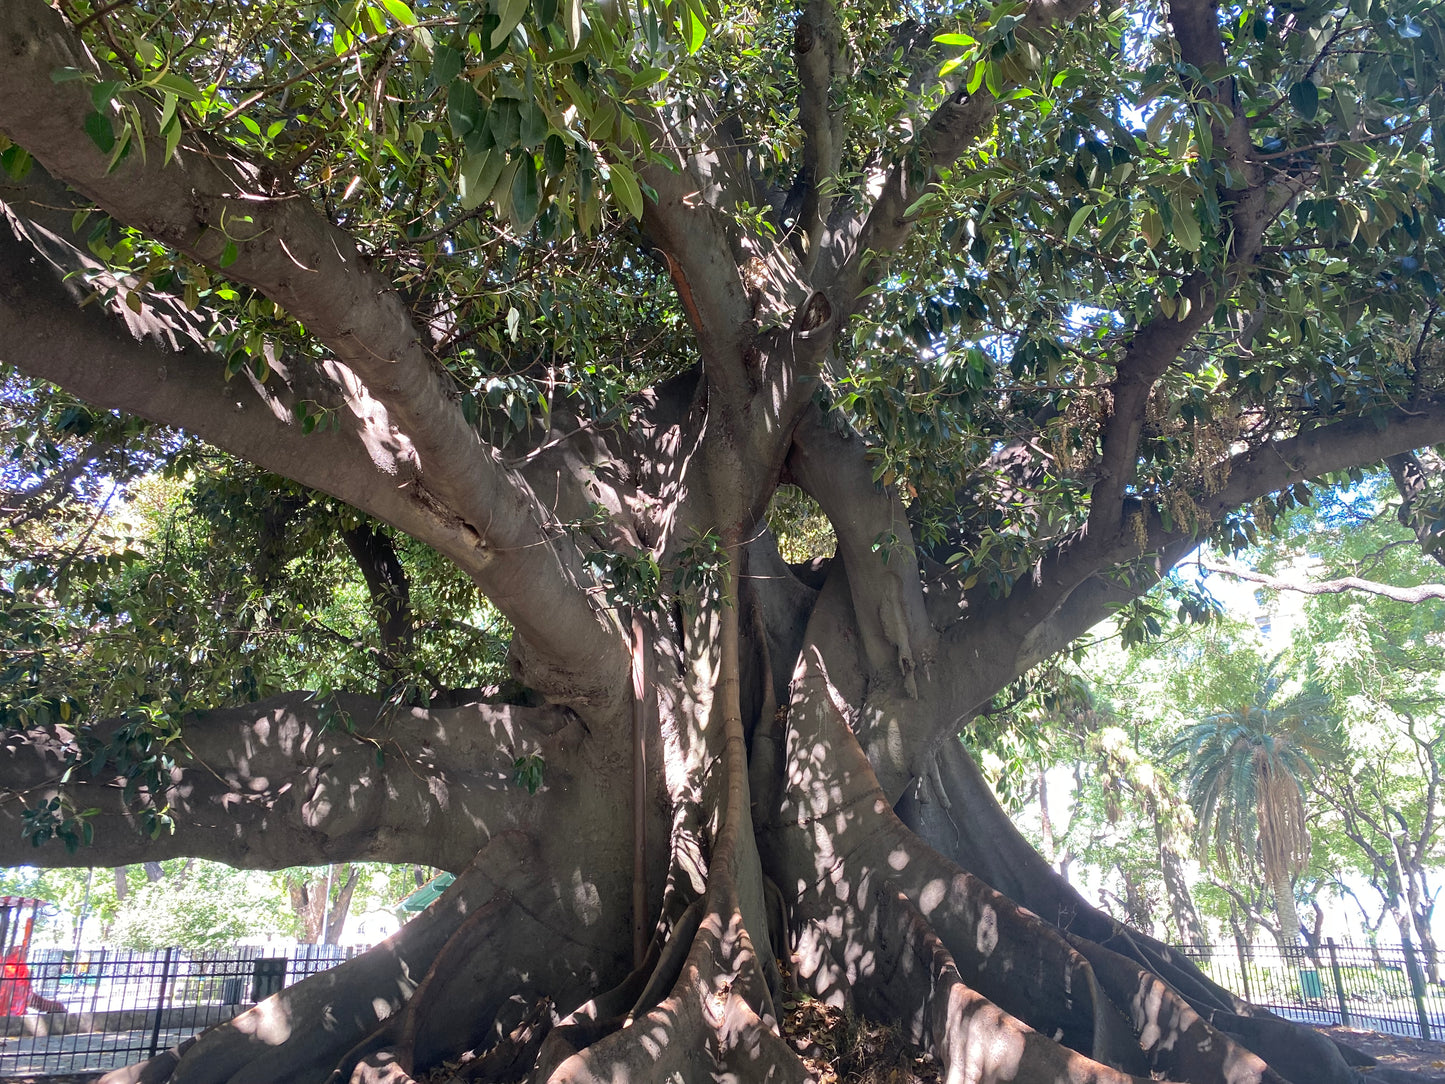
(1245, 779)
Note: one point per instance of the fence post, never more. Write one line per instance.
(95, 986)
(161, 1003)
(1339, 983)
(1243, 967)
(1417, 985)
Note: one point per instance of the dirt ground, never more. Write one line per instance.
(1425, 1059)
(838, 1048)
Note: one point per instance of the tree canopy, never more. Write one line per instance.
(383, 309)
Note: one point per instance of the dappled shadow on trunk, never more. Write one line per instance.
(887, 922)
(782, 842)
(954, 811)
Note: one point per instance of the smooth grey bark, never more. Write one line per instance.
(295, 780)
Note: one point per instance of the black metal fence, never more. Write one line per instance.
(1381, 988)
(112, 1007)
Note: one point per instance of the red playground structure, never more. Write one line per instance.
(17, 923)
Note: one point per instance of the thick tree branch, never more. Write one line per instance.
(169, 377)
(875, 542)
(1087, 577)
(686, 223)
(209, 203)
(390, 591)
(1266, 468)
(1328, 587)
(1246, 196)
(1149, 354)
(296, 781)
(216, 206)
(818, 51)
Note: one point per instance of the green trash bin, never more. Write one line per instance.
(1309, 983)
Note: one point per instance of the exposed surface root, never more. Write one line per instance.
(789, 850)
(993, 990)
(469, 956)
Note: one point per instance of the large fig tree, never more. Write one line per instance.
(1021, 301)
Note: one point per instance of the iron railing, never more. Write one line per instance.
(106, 1008)
(1380, 988)
(112, 1007)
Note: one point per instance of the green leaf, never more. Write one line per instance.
(17, 162)
(993, 76)
(572, 20)
(1152, 227)
(623, 183)
(479, 175)
(928, 198)
(694, 31)
(1158, 121)
(180, 86)
(511, 13)
(173, 139)
(446, 65)
(97, 126)
(525, 194)
(464, 108)
(1185, 226)
(1076, 223)
(103, 93)
(1305, 97)
(501, 194)
(975, 79)
(228, 254)
(505, 121)
(149, 55)
(554, 155)
(400, 12)
(532, 128)
(168, 111)
(962, 40)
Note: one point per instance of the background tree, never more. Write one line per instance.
(1248, 771)
(203, 906)
(321, 900)
(1124, 830)
(1026, 299)
(1373, 648)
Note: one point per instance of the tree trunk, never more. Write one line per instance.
(1187, 923)
(1288, 934)
(1421, 909)
(780, 841)
(336, 919)
(306, 902)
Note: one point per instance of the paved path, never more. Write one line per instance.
(83, 1051)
